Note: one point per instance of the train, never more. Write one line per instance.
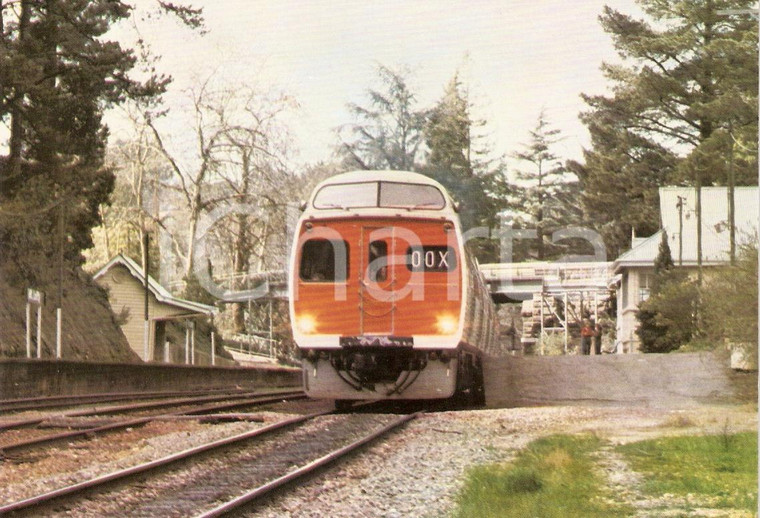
(386, 302)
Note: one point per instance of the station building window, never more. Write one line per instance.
(645, 286)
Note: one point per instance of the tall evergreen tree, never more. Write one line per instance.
(458, 158)
(58, 74)
(664, 260)
(544, 189)
(387, 133)
(682, 103)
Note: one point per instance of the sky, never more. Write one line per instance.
(516, 57)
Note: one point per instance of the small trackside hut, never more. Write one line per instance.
(386, 302)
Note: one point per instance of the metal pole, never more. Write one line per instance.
(213, 348)
(699, 229)
(187, 345)
(192, 344)
(28, 330)
(680, 230)
(39, 331)
(58, 325)
(541, 337)
(565, 302)
(146, 325)
(596, 307)
(271, 345)
(731, 200)
(58, 312)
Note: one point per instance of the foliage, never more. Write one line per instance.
(664, 260)
(682, 105)
(458, 158)
(442, 142)
(620, 177)
(553, 344)
(545, 195)
(387, 133)
(195, 292)
(60, 73)
(668, 318)
(133, 206)
(553, 477)
(721, 469)
(679, 313)
(730, 305)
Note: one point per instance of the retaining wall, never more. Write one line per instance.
(653, 380)
(27, 378)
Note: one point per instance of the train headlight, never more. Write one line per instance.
(306, 324)
(447, 324)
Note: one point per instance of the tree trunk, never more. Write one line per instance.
(17, 126)
(189, 262)
(240, 267)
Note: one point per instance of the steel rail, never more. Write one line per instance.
(124, 408)
(48, 439)
(269, 487)
(103, 480)
(35, 403)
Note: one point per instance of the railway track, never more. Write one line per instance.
(8, 449)
(134, 407)
(44, 402)
(221, 476)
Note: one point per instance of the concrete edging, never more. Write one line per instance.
(29, 378)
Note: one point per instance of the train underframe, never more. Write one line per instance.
(373, 373)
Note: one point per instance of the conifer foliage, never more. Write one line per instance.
(458, 158)
(546, 197)
(683, 104)
(668, 318)
(59, 73)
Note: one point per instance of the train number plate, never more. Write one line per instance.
(376, 341)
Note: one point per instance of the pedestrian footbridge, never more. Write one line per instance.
(518, 282)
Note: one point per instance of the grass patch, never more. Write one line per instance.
(553, 477)
(719, 469)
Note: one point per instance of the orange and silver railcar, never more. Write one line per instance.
(385, 301)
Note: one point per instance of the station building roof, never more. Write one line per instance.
(162, 294)
(715, 226)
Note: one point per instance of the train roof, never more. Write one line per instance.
(449, 206)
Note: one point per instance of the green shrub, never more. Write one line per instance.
(730, 300)
(668, 318)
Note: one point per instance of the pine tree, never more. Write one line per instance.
(664, 260)
(59, 73)
(620, 177)
(458, 158)
(387, 133)
(544, 186)
(683, 102)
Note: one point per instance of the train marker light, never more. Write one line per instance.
(306, 324)
(447, 324)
